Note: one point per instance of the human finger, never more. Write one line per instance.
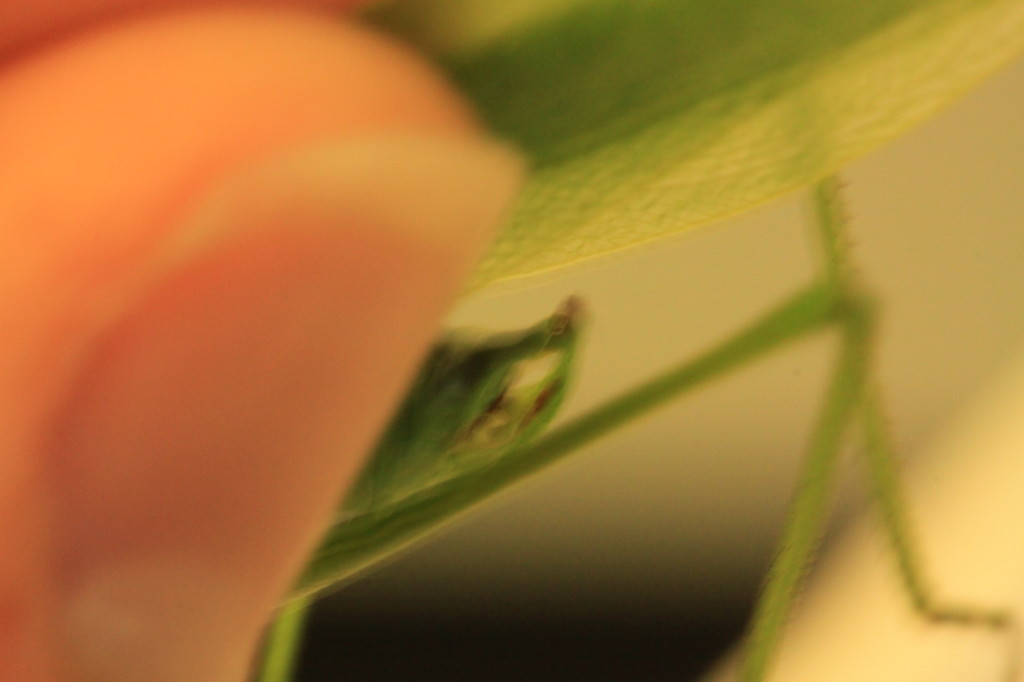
(235, 231)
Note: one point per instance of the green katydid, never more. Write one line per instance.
(642, 118)
(490, 439)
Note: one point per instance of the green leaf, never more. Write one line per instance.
(643, 118)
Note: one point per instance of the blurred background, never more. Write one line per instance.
(639, 558)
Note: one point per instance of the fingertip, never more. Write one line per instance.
(219, 417)
(108, 142)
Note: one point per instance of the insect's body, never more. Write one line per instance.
(467, 407)
(468, 428)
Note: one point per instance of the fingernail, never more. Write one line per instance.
(218, 417)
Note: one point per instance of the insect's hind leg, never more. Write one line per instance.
(887, 495)
(808, 511)
(884, 477)
(850, 397)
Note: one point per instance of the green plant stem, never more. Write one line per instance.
(283, 641)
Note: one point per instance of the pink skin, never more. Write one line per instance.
(112, 124)
(29, 21)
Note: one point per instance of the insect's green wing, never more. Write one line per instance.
(642, 118)
(469, 406)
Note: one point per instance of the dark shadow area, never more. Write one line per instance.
(396, 648)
